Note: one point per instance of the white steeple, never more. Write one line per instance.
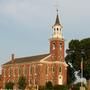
(57, 28)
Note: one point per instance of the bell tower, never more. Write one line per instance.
(57, 54)
(57, 41)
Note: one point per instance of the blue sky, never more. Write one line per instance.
(26, 25)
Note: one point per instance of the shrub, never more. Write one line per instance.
(9, 85)
(60, 87)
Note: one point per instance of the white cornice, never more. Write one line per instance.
(55, 62)
(42, 60)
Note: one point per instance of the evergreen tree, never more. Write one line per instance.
(22, 83)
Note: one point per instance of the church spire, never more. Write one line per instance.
(57, 22)
(57, 28)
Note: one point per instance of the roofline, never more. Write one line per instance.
(6, 64)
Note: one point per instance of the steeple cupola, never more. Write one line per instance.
(57, 28)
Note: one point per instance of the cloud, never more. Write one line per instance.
(8, 8)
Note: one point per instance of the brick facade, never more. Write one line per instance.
(38, 73)
(41, 68)
(0, 81)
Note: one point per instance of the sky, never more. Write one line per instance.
(26, 25)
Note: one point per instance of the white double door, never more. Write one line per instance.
(60, 79)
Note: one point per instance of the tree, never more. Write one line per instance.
(49, 86)
(74, 55)
(9, 86)
(70, 75)
(22, 83)
(85, 43)
(60, 87)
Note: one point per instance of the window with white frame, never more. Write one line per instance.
(46, 68)
(60, 69)
(60, 45)
(54, 46)
(31, 69)
(53, 68)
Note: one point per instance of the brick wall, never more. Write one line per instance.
(0, 81)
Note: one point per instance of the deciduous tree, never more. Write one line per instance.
(74, 55)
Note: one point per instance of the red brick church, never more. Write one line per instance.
(40, 69)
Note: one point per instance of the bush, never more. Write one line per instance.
(49, 86)
(60, 87)
(9, 85)
(22, 83)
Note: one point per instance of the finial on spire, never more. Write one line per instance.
(57, 11)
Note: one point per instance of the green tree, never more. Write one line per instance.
(85, 44)
(60, 87)
(9, 86)
(22, 83)
(49, 86)
(74, 55)
(70, 75)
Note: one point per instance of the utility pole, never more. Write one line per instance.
(81, 72)
(82, 87)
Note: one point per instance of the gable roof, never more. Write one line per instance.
(27, 59)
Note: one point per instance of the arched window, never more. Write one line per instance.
(60, 69)
(54, 29)
(46, 69)
(30, 81)
(53, 68)
(20, 68)
(30, 70)
(53, 46)
(60, 45)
